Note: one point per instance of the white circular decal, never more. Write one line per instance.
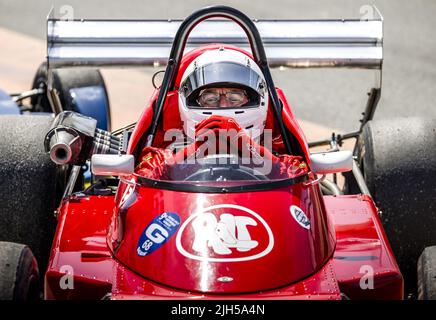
(225, 233)
(300, 217)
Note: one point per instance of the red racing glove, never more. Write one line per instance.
(292, 166)
(233, 137)
(207, 132)
(153, 162)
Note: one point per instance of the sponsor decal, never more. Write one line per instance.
(225, 233)
(300, 217)
(159, 231)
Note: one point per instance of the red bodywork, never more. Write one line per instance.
(343, 254)
(360, 245)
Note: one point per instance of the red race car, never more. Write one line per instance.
(168, 216)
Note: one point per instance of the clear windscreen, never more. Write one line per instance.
(230, 169)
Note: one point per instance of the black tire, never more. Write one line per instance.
(398, 160)
(18, 273)
(63, 81)
(427, 274)
(30, 185)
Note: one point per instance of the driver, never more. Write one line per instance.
(222, 90)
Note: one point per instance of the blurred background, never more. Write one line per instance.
(323, 100)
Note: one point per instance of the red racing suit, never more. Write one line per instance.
(155, 162)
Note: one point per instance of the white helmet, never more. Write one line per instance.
(224, 68)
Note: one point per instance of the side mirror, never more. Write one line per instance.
(112, 164)
(331, 162)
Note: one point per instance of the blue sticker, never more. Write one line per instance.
(159, 231)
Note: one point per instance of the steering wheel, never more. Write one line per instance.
(213, 169)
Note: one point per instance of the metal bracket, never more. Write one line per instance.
(360, 179)
(75, 171)
(313, 182)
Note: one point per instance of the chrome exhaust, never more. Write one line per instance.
(73, 138)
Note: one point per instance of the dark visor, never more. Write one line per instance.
(223, 74)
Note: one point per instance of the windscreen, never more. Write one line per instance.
(232, 169)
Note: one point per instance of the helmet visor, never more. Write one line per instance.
(247, 85)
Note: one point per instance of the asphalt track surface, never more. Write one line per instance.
(325, 98)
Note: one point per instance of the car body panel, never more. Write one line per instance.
(365, 265)
(81, 245)
(233, 235)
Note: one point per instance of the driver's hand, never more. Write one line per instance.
(234, 139)
(214, 134)
(292, 166)
(152, 162)
(216, 123)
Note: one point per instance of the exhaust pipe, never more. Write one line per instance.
(74, 138)
(64, 147)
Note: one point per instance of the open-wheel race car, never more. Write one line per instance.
(170, 214)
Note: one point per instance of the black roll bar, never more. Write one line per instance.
(177, 52)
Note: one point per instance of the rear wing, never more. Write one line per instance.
(288, 43)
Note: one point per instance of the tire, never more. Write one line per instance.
(30, 184)
(398, 160)
(427, 274)
(63, 81)
(18, 273)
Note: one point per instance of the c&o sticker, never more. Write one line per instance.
(299, 216)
